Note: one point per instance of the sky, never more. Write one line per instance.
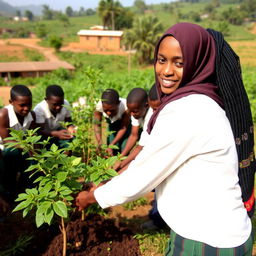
(75, 4)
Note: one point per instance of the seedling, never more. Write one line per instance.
(57, 178)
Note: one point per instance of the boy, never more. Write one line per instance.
(114, 110)
(17, 115)
(141, 107)
(50, 112)
(137, 105)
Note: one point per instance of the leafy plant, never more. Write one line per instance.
(19, 247)
(134, 204)
(156, 240)
(57, 178)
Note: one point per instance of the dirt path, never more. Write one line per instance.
(32, 43)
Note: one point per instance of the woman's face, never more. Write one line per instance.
(169, 65)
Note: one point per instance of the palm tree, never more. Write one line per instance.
(143, 36)
(107, 10)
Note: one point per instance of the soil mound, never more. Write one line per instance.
(96, 236)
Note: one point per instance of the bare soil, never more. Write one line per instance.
(95, 236)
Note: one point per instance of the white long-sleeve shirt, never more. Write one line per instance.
(191, 159)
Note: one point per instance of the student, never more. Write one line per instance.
(114, 110)
(141, 112)
(18, 116)
(50, 112)
(198, 156)
(137, 104)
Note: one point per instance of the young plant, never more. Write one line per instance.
(56, 179)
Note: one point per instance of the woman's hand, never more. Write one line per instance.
(84, 199)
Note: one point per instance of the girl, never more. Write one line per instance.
(191, 158)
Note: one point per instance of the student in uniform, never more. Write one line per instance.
(114, 109)
(18, 116)
(50, 112)
(141, 112)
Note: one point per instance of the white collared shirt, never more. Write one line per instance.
(190, 159)
(143, 122)
(44, 115)
(14, 122)
(121, 109)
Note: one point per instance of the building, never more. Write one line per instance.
(31, 69)
(100, 40)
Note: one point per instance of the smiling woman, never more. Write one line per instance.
(199, 82)
(169, 65)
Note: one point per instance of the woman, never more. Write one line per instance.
(191, 157)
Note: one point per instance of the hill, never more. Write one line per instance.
(6, 9)
(9, 10)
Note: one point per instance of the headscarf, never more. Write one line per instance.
(198, 52)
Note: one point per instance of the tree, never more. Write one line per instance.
(69, 11)
(89, 12)
(41, 31)
(47, 12)
(63, 19)
(29, 15)
(81, 11)
(124, 19)
(140, 6)
(18, 13)
(233, 16)
(249, 7)
(107, 10)
(56, 42)
(145, 32)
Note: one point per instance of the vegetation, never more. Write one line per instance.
(143, 36)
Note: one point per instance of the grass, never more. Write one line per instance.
(33, 55)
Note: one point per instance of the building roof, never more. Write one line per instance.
(117, 33)
(34, 66)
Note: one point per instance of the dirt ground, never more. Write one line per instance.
(95, 236)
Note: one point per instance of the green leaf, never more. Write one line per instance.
(76, 161)
(38, 179)
(42, 208)
(21, 197)
(94, 176)
(54, 148)
(111, 172)
(22, 205)
(26, 210)
(69, 198)
(45, 189)
(61, 176)
(65, 191)
(60, 209)
(48, 216)
(39, 219)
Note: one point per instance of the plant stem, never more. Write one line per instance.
(64, 235)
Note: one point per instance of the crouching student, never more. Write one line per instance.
(141, 107)
(114, 110)
(137, 104)
(18, 116)
(50, 112)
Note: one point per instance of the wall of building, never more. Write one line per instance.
(100, 43)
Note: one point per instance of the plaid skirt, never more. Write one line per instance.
(180, 246)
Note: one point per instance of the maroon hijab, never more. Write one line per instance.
(198, 50)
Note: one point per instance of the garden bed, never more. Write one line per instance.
(96, 235)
